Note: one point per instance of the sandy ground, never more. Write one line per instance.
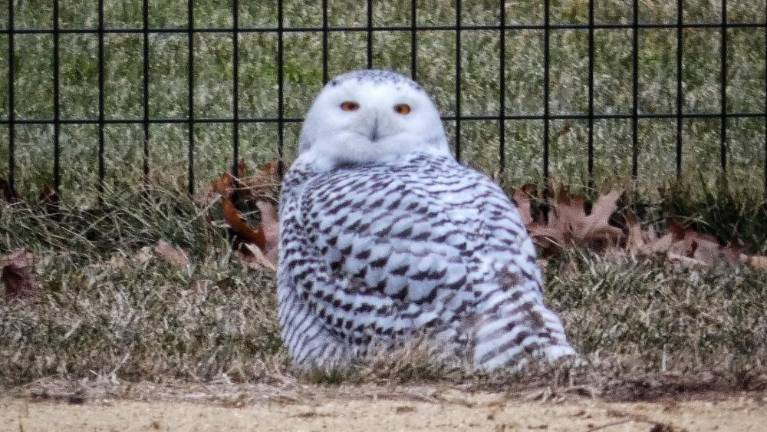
(458, 411)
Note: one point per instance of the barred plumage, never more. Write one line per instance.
(377, 250)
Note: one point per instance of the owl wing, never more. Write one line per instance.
(377, 252)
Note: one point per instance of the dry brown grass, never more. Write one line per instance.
(110, 309)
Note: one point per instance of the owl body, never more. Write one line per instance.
(385, 238)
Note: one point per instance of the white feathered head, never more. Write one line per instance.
(370, 116)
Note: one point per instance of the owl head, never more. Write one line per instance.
(370, 116)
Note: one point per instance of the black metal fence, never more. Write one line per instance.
(503, 116)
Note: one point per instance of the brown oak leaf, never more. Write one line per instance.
(16, 274)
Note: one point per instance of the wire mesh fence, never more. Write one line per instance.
(679, 31)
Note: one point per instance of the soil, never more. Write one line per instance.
(214, 408)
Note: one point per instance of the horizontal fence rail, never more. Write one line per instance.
(459, 29)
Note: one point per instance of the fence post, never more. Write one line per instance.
(11, 100)
(190, 89)
(679, 81)
(145, 84)
(56, 103)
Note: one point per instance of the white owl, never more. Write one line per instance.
(385, 237)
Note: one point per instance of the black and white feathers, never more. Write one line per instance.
(396, 240)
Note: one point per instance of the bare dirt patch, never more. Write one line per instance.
(368, 408)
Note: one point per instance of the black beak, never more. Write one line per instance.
(374, 135)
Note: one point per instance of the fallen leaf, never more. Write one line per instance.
(635, 242)
(48, 197)
(685, 260)
(263, 255)
(263, 184)
(270, 225)
(16, 274)
(568, 222)
(172, 254)
(144, 255)
(239, 227)
(255, 259)
(7, 193)
(660, 244)
(596, 226)
(757, 261)
(259, 188)
(521, 197)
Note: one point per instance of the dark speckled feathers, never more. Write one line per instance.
(373, 254)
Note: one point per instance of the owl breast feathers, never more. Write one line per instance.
(373, 255)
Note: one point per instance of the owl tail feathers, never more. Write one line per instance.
(518, 332)
(520, 361)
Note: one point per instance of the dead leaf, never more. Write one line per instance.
(635, 243)
(143, 256)
(757, 261)
(223, 185)
(16, 273)
(239, 227)
(7, 193)
(263, 184)
(660, 244)
(270, 225)
(48, 197)
(263, 255)
(172, 254)
(568, 222)
(255, 259)
(521, 196)
(261, 189)
(596, 226)
(684, 260)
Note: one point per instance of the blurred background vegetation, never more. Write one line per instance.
(258, 95)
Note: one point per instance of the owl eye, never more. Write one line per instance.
(350, 106)
(403, 109)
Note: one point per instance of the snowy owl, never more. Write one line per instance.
(385, 237)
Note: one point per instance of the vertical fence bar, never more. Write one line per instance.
(235, 87)
(413, 40)
(56, 102)
(723, 90)
(280, 88)
(590, 145)
(325, 32)
(546, 71)
(458, 80)
(765, 109)
(679, 79)
(502, 90)
(11, 101)
(102, 165)
(145, 84)
(190, 95)
(370, 34)
(635, 93)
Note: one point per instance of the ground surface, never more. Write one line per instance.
(380, 408)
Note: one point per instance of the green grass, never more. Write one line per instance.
(436, 65)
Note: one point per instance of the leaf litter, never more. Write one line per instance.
(17, 274)
(255, 246)
(564, 223)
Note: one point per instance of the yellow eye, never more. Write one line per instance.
(403, 109)
(350, 106)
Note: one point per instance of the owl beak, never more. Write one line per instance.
(374, 133)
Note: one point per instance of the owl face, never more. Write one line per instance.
(371, 116)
